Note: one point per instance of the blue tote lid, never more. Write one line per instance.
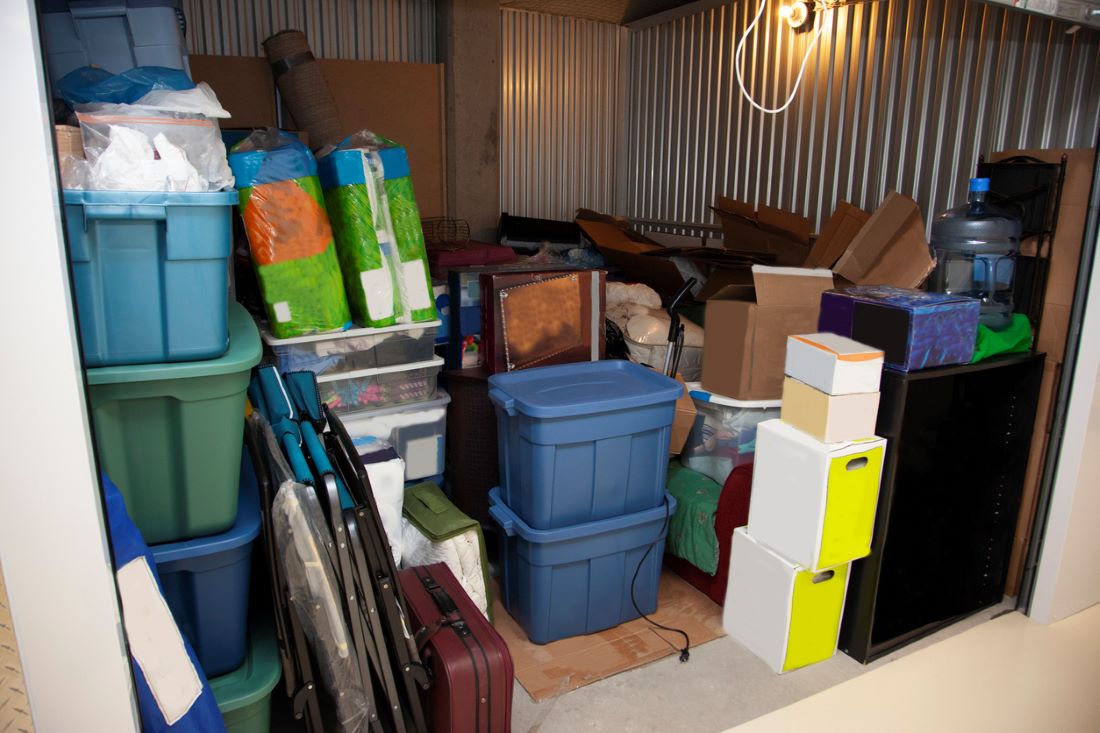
(585, 388)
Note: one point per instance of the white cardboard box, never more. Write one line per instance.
(829, 418)
(813, 502)
(833, 364)
(786, 615)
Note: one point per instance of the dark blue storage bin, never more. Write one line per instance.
(151, 274)
(205, 582)
(566, 582)
(582, 442)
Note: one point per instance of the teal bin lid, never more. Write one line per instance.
(256, 678)
(244, 353)
(586, 388)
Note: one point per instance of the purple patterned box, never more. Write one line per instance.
(915, 329)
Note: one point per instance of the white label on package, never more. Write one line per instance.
(423, 457)
(378, 287)
(416, 285)
(155, 641)
(282, 311)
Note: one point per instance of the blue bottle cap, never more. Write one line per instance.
(979, 184)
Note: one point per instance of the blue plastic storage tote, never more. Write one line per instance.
(151, 274)
(566, 582)
(205, 582)
(582, 442)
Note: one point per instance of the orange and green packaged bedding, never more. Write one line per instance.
(289, 234)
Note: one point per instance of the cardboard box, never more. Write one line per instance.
(914, 329)
(837, 235)
(69, 140)
(682, 420)
(784, 614)
(829, 418)
(747, 328)
(890, 248)
(834, 364)
(782, 234)
(813, 502)
(624, 250)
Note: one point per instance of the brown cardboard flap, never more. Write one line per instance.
(790, 285)
(606, 234)
(785, 224)
(621, 251)
(890, 249)
(782, 234)
(838, 234)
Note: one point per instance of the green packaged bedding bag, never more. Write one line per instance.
(397, 231)
(289, 235)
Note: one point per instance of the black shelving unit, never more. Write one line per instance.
(958, 440)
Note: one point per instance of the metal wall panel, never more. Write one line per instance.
(897, 95)
(561, 114)
(365, 30)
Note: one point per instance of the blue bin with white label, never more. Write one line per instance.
(582, 442)
(205, 582)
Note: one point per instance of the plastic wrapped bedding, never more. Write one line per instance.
(383, 217)
(289, 234)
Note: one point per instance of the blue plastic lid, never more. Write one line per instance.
(511, 523)
(243, 531)
(581, 389)
(979, 184)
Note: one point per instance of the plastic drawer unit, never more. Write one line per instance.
(723, 436)
(367, 389)
(169, 436)
(205, 582)
(244, 695)
(150, 272)
(418, 432)
(355, 349)
(577, 580)
(582, 442)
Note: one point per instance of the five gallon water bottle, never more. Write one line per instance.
(975, 248)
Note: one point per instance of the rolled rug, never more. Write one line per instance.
(303, 87)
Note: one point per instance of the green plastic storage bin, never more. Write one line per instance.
(169, 435)
(244, 695)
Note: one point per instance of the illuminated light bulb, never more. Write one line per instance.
(796, 14)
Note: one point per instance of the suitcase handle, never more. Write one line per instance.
(443, 600)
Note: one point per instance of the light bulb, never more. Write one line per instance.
(796, 14)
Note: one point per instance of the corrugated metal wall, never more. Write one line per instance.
(561, 114)
(366, 30)
(897, 95)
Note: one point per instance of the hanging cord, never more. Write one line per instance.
(739, 60)
(685, 652)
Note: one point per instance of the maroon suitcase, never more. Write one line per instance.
(470, 665)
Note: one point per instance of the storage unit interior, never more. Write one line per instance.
(634, 109)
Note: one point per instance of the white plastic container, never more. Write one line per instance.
(417, 432)
(724, 434)
(368, 389)
(356, 349)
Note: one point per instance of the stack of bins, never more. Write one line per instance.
(814, 494)
(582, 502)
(169, 360)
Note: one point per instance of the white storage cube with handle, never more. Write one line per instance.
(814, 502)
(833, 364)
(786, 615)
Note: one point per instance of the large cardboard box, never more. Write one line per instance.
(785, 614)
(890, 249)
(747, 328)
(781, 234)
(834, 364)
(814, 502)
(829, 418)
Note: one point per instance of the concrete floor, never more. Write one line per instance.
(722, 685)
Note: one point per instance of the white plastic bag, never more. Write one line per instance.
(201, 101)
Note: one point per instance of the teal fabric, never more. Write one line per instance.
(691, 533)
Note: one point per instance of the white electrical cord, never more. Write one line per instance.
(739, 60)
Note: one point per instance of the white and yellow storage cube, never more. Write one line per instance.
(829, 418)
(785, 614)
(834, 364)
(813, 502)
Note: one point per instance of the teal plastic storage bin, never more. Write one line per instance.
(576, 580)
(244, 695)
(582, 442)
(170, 436)
(151, 274)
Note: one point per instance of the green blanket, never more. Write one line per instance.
(691, 533)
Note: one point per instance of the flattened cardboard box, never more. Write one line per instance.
(780, 233)
(747, 328)
(682, 421)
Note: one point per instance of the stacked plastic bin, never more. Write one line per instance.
(723, 436)
(582, 502)
(169, 360)
(814, 494)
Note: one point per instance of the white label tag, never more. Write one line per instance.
(155, 642)
(282, 311)
(416, 285)
(378, 287)
(422, 457)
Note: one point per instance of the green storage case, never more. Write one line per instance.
(244, 695)
(169, 435)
